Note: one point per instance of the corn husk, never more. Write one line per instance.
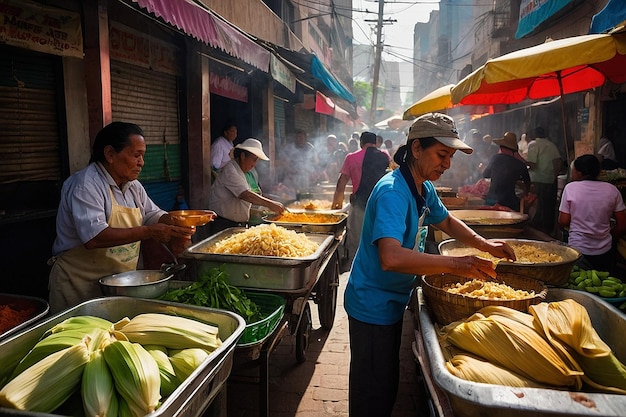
(185, 361)
(173, 332)
(48, 383)
(515, 346)
(169, 380)
(567, 325)
(97, 388)
(472, 368)
(136, 376)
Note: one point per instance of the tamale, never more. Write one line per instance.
(472, 368)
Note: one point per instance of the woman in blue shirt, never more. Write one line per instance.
(390, 256)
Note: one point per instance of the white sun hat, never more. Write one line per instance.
(253, 146)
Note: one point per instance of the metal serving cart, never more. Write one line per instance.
(297, 280)
(454, 397)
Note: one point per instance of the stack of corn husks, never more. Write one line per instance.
(125, 368)
(553, 346)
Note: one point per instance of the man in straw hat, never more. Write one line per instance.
(505, 169)
(231, 196)
(390, 256)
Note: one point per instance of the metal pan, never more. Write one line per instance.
(34, 309)
(489, 217)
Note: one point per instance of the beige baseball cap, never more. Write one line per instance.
(253, 146)
(439, 126)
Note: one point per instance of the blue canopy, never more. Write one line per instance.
(319, 71)
(613, 13)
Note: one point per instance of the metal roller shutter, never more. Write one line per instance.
(150, 99)
(29, 137)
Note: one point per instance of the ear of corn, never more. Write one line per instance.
(173, 332)
(48, 383)
(169, 380)
(84, 323)
(185, 361)
(97, 388)
(136, 375)
(47, 346)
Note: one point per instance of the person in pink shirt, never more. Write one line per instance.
(363, 168)
(587, 206)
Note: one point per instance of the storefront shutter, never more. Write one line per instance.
(150, 99)
(29, 137)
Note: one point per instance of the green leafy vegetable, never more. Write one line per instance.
(213, 290)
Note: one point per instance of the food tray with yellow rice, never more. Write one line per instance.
(453, 396)
(194, 396)
(310, 222)
(550, 262)
(258, 271)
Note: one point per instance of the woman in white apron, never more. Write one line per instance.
(390, 256)
(103, 215)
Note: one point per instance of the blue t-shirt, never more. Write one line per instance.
(372, 295)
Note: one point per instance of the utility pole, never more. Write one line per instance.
(379, 50)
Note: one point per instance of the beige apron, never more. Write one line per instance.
(75, 273)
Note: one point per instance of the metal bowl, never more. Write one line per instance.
(192, 217)
(552, 273)
(140, 284)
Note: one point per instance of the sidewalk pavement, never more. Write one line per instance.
(319, 386)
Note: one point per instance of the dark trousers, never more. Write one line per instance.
(374, 368)
(545, 216)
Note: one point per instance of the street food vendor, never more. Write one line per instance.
(390, 256)
(231, 196)
(103, 215)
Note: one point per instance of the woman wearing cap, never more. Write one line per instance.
(390, 256)
(505, 169)
(231, 196)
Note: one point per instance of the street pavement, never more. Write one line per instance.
(319, 386)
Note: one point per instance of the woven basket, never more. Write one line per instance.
(447, 307)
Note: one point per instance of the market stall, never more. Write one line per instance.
(192, 397)
(451, 396)
(297, 280)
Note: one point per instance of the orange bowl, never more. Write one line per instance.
(191, 217)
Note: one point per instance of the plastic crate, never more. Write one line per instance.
(272, 308)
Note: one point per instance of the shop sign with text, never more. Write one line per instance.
(137, 48)
(29, 25)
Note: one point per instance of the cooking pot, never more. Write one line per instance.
(140, 283)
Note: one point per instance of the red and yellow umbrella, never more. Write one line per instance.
(551, 69)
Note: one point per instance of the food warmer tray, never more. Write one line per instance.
(253, 271)
(471, 399)
(21, 302)
(335, 227)
(489, 217)
(193, 396)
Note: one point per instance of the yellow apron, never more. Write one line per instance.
(75, 273)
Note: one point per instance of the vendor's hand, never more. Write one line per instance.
(500, 249)
(164, 232)
(277, 207)
(474, 267)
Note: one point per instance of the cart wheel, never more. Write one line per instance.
(303, 333)
(327, 295)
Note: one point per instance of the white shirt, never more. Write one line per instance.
(220, 152)
(85, 206)
(224, 197)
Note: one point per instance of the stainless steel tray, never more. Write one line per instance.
(268, 272)
(21, 302)
(194, 395)
(331, 227)
(470, 399)
(489, 217)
